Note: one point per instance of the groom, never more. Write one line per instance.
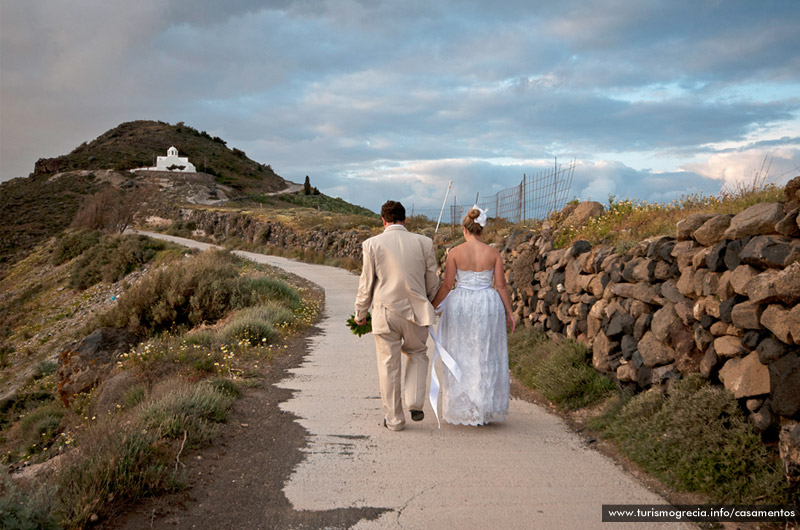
(399, 280)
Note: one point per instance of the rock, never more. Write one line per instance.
(776, 319)
(747, 315)
(687, 356)
(644, 270)
(702, 337)
(572, 274)
(111, 392)
(770, 350)
(579, 247)
(745, 376)
(709, 362)
(603, 349)
(699, 259)
(794, 323)
(685, 284)
(766, 251)
(85, 363)
(789, 449)
(715, 259)
(654, 352)
(788, 226)
(628, 346)
(741, 276)
(751, 339)
(684, 252)
(763, 419)
(665, 271)
(713, 230)
(598, 284)
(729, 346)
(687, 226)
(794, 253)
(662, 374)
(724, 287)
(621, 323)
(791, 193)
(625, 290)
(582, 213)
(787, 284)
(726, 309)
(761, 288)
(627, 372)
(732, 251)
(753, 404)
(718, 329)
(784, 375)
(641, 326)
(646, 293)
(756, 220)
(662, 320)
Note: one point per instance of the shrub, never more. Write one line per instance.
(25, 510)
(269, 288)
(39, 427)
(112, 258)
(257, 324)
(561, 372)
(696, 439)
(178, 407)
(73, 244)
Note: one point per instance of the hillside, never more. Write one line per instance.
(136, 144)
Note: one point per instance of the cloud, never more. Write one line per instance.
(750, 166)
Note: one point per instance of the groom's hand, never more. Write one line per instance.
(362, 321)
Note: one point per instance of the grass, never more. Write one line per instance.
(696, 439)
(560, 372)
(627, 222)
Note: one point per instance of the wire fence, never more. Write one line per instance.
(536, 197)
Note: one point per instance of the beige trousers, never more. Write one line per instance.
(408, 338)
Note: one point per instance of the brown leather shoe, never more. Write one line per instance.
(417, 415)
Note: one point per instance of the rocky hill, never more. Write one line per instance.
(135, 144)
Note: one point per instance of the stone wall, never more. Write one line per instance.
(720, 298)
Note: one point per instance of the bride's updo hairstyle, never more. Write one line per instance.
(471, 224)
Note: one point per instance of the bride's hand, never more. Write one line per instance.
(511, 323)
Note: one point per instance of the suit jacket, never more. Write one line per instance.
(399, 275)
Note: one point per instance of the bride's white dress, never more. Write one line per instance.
(473, 331)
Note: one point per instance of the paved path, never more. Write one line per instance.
(529, 472)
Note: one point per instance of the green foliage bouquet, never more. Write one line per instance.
(362, 329)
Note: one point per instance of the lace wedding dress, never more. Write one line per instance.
(473, 330)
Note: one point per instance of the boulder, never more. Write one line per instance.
(756, 220)
(646, 293)
(85, 363)
(715, 259)
(702, 337)
(620, 324)
(643, 270)
(784, 375)
(745, 376)
(787, 284)
(662, 320)
(603, 350)
(684, 251)
(729, 346)
(687, 226)
(762, 419)
(788, 226)
(627, 372)
(579, 247)
(794, 323)
(747, 315)
(770, 350)
(791, 193)
(709, 362)
(713, 230)
(685, 284)
(662, 374)
(776, 319)
(741, 276)
(766, 251)
(761, 288)
(582, 213)
(732, 251)
(571, 277)
(655, 352)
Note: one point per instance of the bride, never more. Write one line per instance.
(472, 328)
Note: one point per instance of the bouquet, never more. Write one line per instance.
(359, 330)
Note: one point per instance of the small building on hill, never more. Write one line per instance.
(171, 162)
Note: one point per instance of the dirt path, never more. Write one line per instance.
(530, 472)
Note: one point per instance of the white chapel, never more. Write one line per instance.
(171, 162)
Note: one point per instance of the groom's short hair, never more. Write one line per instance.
(393, 212)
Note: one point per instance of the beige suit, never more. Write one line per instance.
(399, 280)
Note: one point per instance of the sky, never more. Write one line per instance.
(377, 100)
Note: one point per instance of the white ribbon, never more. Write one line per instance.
(481, 220)
(448, 361)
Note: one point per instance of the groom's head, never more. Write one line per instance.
(393, 212)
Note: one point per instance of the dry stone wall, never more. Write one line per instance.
(720, 298)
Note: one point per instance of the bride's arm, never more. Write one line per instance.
(449, 279)
(500, 285)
